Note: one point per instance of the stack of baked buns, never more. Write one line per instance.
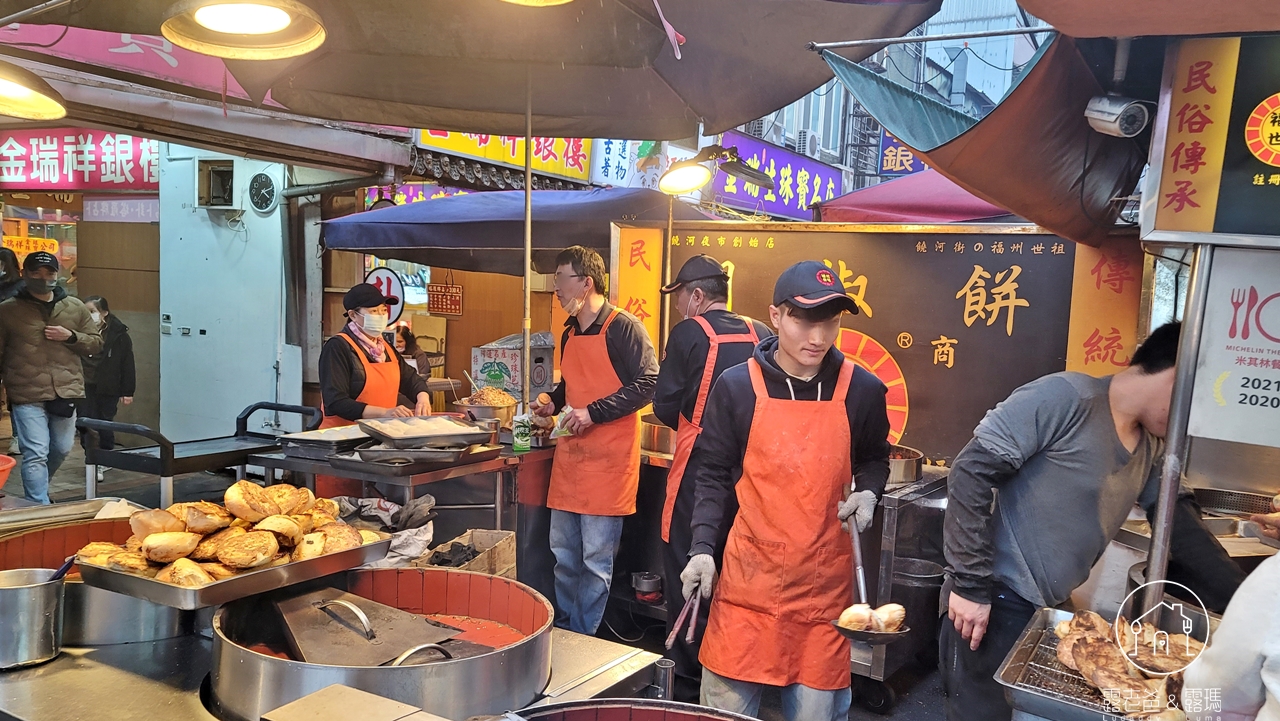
(193, 544)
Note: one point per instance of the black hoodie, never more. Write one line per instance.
(726, 425)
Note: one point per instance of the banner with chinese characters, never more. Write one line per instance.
(635, 271)
(1237, 388)
(897, 159)
(405, 193)
(560, 157)
(1106, 298)
(628, 163)
(801, 181)
(951, 322)
(76, 160)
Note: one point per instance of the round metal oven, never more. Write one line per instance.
(627, 709)
(93, 616)
(247, 683)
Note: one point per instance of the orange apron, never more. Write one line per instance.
(381, 388)
(787, 561)
(596, 473)
(688, 431)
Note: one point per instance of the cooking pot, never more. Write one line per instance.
(655, 437)
(98, 617)
(907, 469)
(30, 616)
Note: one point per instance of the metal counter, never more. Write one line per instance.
(162, 679)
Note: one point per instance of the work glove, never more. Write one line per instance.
(861, 506)
(699, 573)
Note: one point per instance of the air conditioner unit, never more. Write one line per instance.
(755, 128)
(776, 134)
(809, 143)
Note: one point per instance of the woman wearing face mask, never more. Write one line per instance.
(109, 377)
(407, 347)
(10, 274)
(362, 375)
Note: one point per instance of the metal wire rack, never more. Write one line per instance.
(1045, 675)
(1232, 503)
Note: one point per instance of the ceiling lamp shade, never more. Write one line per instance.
(746, 173)
(684, 176)
(23, 94)
(255, 30)
(538, 3)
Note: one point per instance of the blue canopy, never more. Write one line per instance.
(485, 231)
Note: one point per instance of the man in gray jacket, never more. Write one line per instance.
(43, 334)
(1070, 455)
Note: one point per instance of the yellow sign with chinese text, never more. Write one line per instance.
(637, 262)
(22, 246)
(562, 157)
(1196, 136)
(1106, 291)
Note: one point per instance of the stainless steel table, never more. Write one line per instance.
(161, 681)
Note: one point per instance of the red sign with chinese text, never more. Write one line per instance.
(77, 159)
(444, 299)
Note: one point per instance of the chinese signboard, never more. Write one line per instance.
(22, 246)
(1105, 301)
(444, 299)
(628, 163)
(122, 209)
(1237, 388)
(951, 323)
(409, 193)
(897, 159)
(561, 157)
(77, 159)
(801, 181)
(637, 268)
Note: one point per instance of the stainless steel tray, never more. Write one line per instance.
(1036, 683)
(352, 462)
(372, 452)
(18, 520)
(318, 450)
(247, 584)
(481, 434)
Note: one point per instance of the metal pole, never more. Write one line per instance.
(528, 238)
(665, 310)
(32, 12)
(1175, 453)
(930, 38)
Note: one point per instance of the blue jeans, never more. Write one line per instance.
(45, 440)
(584, 547)
(799, 702)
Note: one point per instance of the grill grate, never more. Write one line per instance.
(1045, 675)
(1232, 503)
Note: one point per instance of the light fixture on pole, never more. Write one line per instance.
(246, 30)
(686, 176)
(23, 94)
(538, 3)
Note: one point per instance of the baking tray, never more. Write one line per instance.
(230, 589)
(352, 462)
(377, 453)
(318, 450)
(19, 520)
(481, 434)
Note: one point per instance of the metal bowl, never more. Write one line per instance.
(655, 437)
(905, 470)
(505, 414)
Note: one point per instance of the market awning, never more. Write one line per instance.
(1132, 18)
(924, 197)
(485, 231)
(1035, 154)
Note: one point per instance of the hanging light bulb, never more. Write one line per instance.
(538, 3)
(23, 94)
(254, 30)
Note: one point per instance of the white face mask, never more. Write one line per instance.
(573, 305)
(373, 324)
(688, 308)
(96, 316)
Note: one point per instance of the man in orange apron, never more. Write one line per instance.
(362, 376)
(801, 422)
(710, 340)
(608, 370)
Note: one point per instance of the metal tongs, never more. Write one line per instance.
(871, 638)
(690, 612)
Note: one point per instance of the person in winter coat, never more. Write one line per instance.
(10, 274)
(109, 375)
(43, 335)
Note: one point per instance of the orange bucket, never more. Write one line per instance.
(7, 464)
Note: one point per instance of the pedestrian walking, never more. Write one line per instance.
(110, 378)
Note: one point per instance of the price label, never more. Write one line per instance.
(388, 282)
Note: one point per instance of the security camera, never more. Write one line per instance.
(1117, 116)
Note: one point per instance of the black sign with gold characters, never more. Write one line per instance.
(1250, 186)
(952, 323)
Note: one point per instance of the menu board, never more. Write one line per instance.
(1236, 396)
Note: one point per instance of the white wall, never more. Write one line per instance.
(225, 281)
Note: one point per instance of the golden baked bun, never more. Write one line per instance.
(204, 517)
(892, 616)
(306, 500)
(207, 549)
(170, 546)
(131, 562)
(97, 553)
(288, 532)
(320, 518)
(279, 560)
(133, 543)
(249, 501)
(327, 505)
(369, 536)
(249, 550)
(186, 573)
(218, 571)
(145, 523)
(305, 521)
(241, 523)
(285, 496)
(856, 617)
(340, 537)
(312, 546)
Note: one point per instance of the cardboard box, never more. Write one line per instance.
(500, 364)
(497, 552)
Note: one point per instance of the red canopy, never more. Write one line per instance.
(925, 197)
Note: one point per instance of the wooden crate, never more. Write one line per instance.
(497, 552)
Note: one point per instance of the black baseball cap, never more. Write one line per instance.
(365, 295)
(809, 284)
(40, 259)
(699, 267)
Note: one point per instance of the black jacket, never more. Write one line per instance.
(111, 372)
(685, 360)
(633, 360)
(342, 378)
(726, 425)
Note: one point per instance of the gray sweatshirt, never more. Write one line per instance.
(1065, 486)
